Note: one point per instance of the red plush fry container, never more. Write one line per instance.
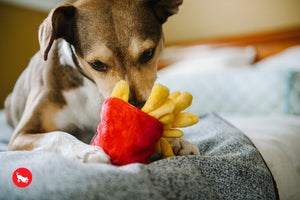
(127, 134)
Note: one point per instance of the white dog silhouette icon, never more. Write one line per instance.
(22, 179)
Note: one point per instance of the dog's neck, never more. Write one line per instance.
(69, 57)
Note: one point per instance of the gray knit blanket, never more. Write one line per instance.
(229, 167)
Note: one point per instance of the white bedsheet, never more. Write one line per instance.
(278, 140)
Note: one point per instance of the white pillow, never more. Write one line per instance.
(206, 58)
(289, 57)
(243, 90)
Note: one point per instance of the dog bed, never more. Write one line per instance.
(229, 167)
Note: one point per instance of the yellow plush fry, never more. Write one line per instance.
(166, 148)
(182, 120)
(168, 126)
(121, 90)
(166, 119)
(158, 147)
(172, 133)
(183, 101)
(164, 109)
(158, 95)
(174, 95)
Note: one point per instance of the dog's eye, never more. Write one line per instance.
(99, 66)
(147, 55)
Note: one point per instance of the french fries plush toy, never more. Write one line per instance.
(130, 135)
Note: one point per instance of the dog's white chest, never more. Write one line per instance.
(83, 108)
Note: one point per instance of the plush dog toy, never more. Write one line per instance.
(130, 135)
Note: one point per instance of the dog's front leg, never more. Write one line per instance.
(37, 130)
(61, 143)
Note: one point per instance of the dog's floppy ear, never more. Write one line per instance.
(165, 8)
(58, 24)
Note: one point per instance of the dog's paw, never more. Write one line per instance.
(182, 147)
(93, 154)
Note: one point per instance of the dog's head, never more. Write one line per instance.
(113, 40)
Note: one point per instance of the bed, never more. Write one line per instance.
(247, 96)
(253, 82)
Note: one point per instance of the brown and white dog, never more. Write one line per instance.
(85, 49)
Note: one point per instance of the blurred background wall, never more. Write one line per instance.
(197, 19)
(18, 43)
(202, 19)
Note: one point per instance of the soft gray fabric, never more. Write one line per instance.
(229, 167)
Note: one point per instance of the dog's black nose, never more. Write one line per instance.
(135, 100)
(138, 104)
